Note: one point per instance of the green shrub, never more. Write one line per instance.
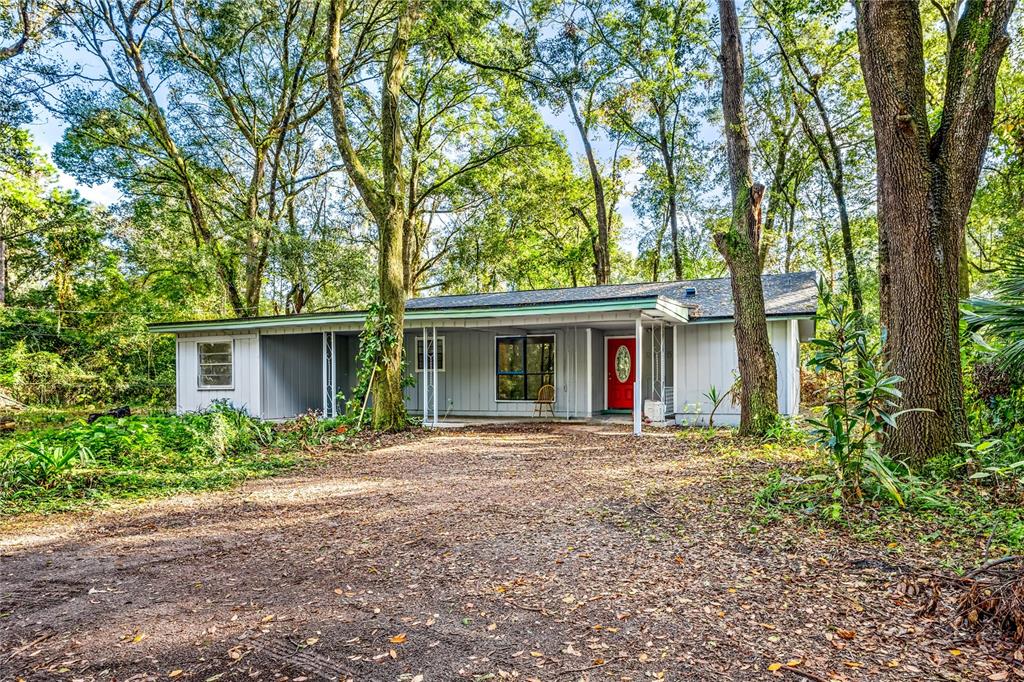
(858, 406)
(39, 465)
(137, 454)
(785, 431)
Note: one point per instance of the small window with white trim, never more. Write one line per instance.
(215, 364)
(420, 364)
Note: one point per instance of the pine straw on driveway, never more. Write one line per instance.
(548, 553)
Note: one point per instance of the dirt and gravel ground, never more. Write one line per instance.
(544, 553)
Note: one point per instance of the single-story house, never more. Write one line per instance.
(491, 355)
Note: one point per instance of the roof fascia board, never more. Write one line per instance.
(769, 317)
(674, 309)
(414, 315)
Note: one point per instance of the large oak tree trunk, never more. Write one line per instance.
(740, 245)
(926, 182)
(388, 400)
(385, 202)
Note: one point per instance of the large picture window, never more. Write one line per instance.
(428, 362)
(215, 364)
(522, 365)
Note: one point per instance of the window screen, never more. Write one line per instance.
(215, 364)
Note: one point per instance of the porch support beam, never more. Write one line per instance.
(334, 374)
(433, 371)
(588, 401)
(423, 378)
(661, 364)
(324, 380)
(638, 407)
(675, 359)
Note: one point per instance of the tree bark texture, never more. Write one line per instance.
(602, 254)
(670, 177)
(385, 202)
(740, 245)
(926, 181)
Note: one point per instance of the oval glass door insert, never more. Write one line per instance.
(623, 362)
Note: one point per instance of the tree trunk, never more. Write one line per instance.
(602, 258)
(659, 239)
(780, 178)
(790, 228)
(831, 159)
(741, 244)
(388, 400)
(836, 174)
(926, 182)
(386, 202)
(223, 263)
(673, 209)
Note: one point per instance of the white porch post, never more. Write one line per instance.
(675, 361)
(423, 377)
(333, 374)
(638, 392)
(588, 400)
(433, 371)
(330, 408)
(661, 363)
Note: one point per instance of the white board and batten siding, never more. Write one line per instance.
(467, 386)
(705, 356)
(700, 355)
(244, 392)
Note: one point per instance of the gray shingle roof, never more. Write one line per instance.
(790, 294)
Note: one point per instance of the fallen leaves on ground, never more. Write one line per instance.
(575, 553)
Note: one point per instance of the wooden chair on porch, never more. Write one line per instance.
(545, 399)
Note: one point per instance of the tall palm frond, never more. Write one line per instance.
(1003, 315)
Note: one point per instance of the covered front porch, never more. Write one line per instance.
(495, 368)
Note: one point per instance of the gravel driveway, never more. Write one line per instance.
(544, 553)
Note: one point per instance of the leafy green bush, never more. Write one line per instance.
(40, 465)
(859, 404)
(134, 455)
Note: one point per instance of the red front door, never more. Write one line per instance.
(621, 373)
